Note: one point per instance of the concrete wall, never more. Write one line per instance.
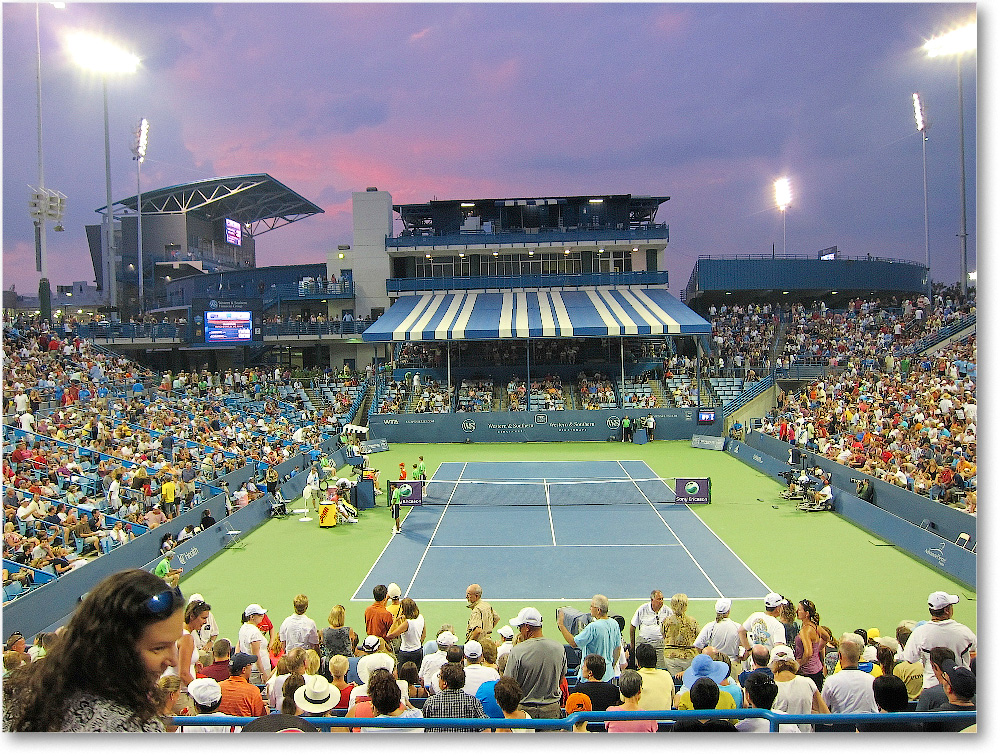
(368, 258)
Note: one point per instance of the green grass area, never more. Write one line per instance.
(854, 579)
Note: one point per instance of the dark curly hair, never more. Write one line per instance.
(95, 653)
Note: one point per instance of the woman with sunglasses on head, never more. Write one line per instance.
(809, 643)
(100, 673)
(195, 616)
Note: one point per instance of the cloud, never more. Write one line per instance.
(420, 34)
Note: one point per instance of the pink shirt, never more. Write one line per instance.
(632, 725)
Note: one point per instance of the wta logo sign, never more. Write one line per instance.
(693, 491)
(468, 425)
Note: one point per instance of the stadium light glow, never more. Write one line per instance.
(920, 117)
(955, 42)
(595, 201)
(99, 54)
(918, 112)
(782, 193)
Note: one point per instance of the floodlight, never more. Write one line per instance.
(782, 193)
(955, 42)
(101, 55)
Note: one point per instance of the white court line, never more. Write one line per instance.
(561, 545)
(431, 539)
(529, 600)
(745, 565)
(697, 563)
(548, 506)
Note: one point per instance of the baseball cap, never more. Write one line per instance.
(781, 652)
(527, 616)
(240, 661)
(723, 605)
(254, 609)
(939, 600)
(772, 600)
(370, 644)
(473, 649)
(205, 691)
(394, 591)
(962, 679)
(447, 638)
(578, 702)
(506, 632)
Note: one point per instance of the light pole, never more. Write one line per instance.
(139, 151)
(782, 198)
(104, 57)
(922, 125)
(955, 43)
(44, 204)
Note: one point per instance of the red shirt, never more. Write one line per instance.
(378, 620)
(240, 698)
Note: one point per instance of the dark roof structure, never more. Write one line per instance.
(256, 200)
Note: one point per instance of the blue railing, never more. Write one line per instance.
(478, 239)
(311, 291)
(755, 390)
(329, 328)
(139, 331)
(540, 280)
(566, 723)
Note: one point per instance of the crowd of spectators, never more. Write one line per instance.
(475, 395)
(742, 339)
(386, 664)
(596, 391)
(912, 424)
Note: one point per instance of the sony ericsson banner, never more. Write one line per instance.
(412, 492)
(694, 490)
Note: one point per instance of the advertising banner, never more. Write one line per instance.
(694, 491)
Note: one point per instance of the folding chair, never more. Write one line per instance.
(963, 540)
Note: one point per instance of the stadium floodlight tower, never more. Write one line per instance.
(782, 198)
(922, 125)
(957, 42)
(139, 155)
(105, 58)
(43, 204)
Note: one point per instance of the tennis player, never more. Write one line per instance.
(398, 493)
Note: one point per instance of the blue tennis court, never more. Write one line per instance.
(557, 531)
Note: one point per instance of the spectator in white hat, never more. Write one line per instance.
(316, 698)
(476, 673)
(207, 695)
(723, 634)
(506, 633)
(251, 641)
(432, 663)
(797, 694)
(537, 664)
(763, 628)
(941, 631)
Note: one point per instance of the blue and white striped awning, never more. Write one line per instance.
(530, 314)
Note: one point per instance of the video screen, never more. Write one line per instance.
(706, 416)
(234, 233)
(228, 327)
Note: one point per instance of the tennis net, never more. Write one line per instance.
(556, 492)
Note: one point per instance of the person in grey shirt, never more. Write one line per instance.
(538, 664)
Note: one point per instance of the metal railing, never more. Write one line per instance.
(566, 723)
(479, 239)
(527, 281)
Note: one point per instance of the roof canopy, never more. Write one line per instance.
(257, 200)
(536, 314)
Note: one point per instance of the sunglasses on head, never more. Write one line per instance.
(163, 603)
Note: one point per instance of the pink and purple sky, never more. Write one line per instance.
(706, 103)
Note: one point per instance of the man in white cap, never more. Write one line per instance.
(507, 633)
(537, 664)
(432, 663)
(648, 620)
(476, 673)
(723, 634)
(207, 695)
(941, 631)
(763, 628)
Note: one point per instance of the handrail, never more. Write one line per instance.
(565, 723)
